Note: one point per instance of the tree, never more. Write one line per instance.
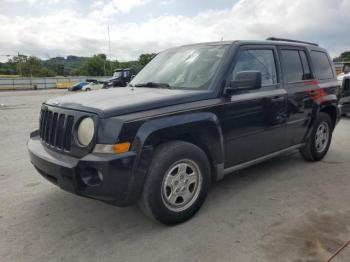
(144, 59)
(102, 56)
(7, 68)
(30, 66)
(98, 65)
(55, 65)
(344, 57)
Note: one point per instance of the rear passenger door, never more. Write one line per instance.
(300, 83)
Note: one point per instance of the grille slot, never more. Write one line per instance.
(60, 131)
(56, 129)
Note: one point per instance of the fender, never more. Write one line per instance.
(201, 128)
(321, 102)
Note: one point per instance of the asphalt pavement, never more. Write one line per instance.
(285, 209)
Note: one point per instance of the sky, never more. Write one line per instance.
(50, 28)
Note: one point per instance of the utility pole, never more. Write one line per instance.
(109, 48)
(104, 68)
(19, 64)
(31, 73)
(109, 44)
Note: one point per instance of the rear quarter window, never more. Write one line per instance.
(322, 65)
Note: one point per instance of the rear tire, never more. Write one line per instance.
(87, 89)
(177, 183)
(320, 139)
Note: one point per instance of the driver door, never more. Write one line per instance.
(254, 120)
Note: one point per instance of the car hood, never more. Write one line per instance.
(124, 100)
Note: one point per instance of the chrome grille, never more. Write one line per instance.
(56, 129)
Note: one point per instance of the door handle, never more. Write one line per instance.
(278, 99)
(281, 118)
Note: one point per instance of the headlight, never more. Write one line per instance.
(86, 131)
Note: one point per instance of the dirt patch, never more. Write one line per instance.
(32, 184)
(315, 237)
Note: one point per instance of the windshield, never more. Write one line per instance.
(117, 74)
(190, 67)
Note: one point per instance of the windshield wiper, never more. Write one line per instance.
(153, 84)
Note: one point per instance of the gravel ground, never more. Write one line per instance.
(285, 209)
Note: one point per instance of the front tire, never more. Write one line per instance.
(177, 183)
(320, 139)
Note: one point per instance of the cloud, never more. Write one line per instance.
(167, 2)
(103, 10)
(34, 1)
(68, 32)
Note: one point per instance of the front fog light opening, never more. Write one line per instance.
(91, 176)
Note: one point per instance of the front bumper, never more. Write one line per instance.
(106, 177)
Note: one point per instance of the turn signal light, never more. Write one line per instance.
(121, 148)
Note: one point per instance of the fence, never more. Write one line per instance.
(21, 83)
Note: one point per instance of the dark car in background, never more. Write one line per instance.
(345, 100)
(120, 78)
(191, 116)
(77, 86)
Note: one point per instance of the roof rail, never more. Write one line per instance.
(290, 40)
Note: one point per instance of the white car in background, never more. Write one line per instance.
(341, 76)
(93, 86)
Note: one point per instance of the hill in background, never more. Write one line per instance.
(97, 65)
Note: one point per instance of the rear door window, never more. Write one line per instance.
(292, 65)
(296, 65)
(322, 65)
(306, 66)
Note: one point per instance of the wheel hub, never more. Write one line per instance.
(322, 137)
(181, 185)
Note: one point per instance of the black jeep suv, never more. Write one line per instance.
(120, 78)
(345, 100)
(192, 115)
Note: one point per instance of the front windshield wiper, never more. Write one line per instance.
(153, 84)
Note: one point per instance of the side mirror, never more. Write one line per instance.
(245, 80)
(132, 77)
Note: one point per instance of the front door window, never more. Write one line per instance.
(258, 60)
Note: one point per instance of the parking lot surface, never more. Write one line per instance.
(285, 209)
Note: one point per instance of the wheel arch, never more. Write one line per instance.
(328, 105)
(201, 129)
(331, 110)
